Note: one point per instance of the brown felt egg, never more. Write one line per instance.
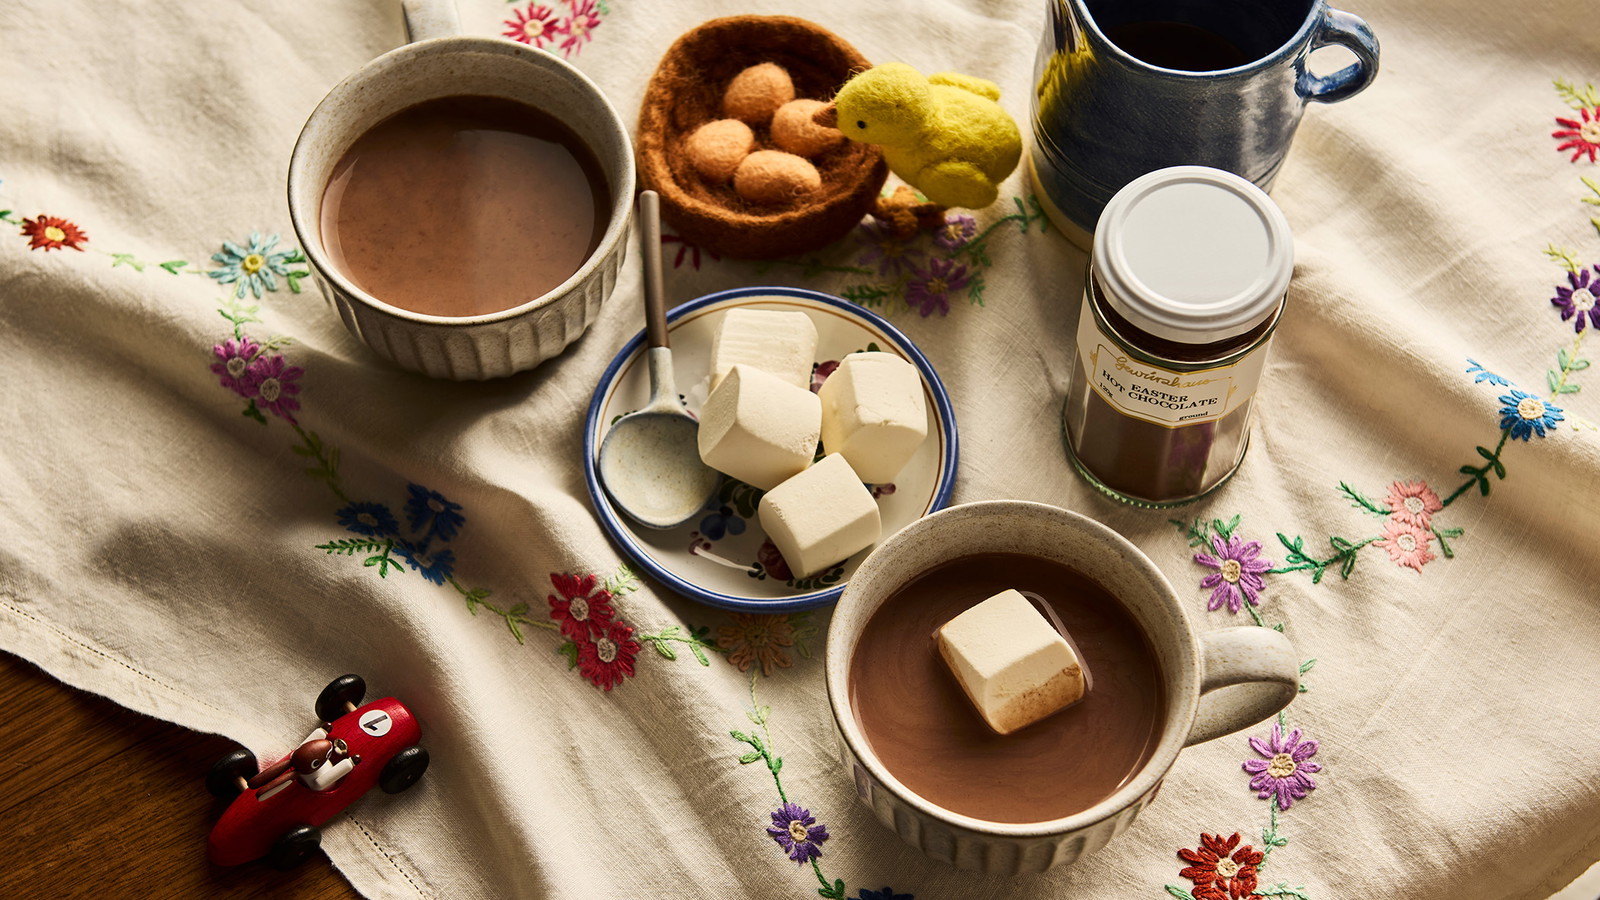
(773, 177)
(793, 129)
(715, 149)
(756, 93)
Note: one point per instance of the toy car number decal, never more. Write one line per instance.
(376, 722)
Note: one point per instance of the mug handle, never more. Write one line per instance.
(1345, 30)
(427, 19)
(1248, 674)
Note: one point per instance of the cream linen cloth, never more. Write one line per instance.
(162, 549)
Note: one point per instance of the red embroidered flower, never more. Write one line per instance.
(1218, 876)
(580, 26)
(608, 659)
(581, 610)
(53, 233)
(535, 26)
(1583, 136)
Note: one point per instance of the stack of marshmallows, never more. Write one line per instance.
(761, 424)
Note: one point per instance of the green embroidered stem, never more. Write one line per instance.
(1178, 892)
(674, 634)
(1199, 531)
(378, 548)
(1565, 257)
(326, 458)
(1297, 561)
(1575, 98)
(1567, 362)
(867, 294)
(515, 617)
(1024, 217)
(1480, 474)
(1270, 839)
(238, 314)
(1362, 501)
(8, 218)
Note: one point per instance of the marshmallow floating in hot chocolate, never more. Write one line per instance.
(1014, 666)
(820, 516)
(777, 342)
(759, 428)
(873, 413)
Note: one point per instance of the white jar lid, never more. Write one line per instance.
(1193, 254)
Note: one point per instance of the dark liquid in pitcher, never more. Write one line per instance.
(1176, 45)
(925, 731)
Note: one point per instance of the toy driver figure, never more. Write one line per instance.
(318, 762)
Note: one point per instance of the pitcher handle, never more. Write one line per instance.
(1345, 30)
(427, 19)
(1249, 673)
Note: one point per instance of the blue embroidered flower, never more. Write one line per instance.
(720, 523)
(436, 567)
(1525, 414)
(371, 519)
(886, 894)
(431, 515)
(797, 832)
(253, 266)
(1483, 374)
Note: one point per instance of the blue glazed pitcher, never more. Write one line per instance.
(1125, 87)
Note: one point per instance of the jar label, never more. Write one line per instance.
(1161, 396)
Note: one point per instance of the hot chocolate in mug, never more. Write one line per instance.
(1125, 87)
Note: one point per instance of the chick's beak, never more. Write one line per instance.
(828, 116)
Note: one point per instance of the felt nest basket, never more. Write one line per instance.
(686, 92)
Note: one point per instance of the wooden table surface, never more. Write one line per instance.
(102, 802)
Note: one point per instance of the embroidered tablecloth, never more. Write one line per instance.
(214, 499)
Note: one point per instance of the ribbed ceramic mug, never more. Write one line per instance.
(440, 62)
(1216, 682)
(1103, 116)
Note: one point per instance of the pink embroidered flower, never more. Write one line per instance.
(1578, 302)
(534, 26)
(276, 387)
(233, 365)
(608, 659)
(1216, 874)
(1284, 769)
(580, 26)
(1582, 135)
(581, 610)
(53, 233)
(1407, 544)
(1239, 570)
(1414, 502)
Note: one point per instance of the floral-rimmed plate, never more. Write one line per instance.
(722, 557)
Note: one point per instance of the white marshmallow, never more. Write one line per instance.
(820, 516)
(759, 428)
(1013, 664)
(779, 343)
(874, 414)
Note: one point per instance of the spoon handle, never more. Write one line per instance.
(655, 304)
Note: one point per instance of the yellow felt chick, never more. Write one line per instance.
(943, 134)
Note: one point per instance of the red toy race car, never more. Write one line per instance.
(276, 811)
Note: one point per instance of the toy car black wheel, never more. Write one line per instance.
(344, 689)
(403, 770)
(223, 779)
(294, 848)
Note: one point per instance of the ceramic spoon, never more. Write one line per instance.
(650, 459)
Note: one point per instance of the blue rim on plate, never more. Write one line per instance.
(650, 559)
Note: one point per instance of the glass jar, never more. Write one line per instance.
(1187, 281)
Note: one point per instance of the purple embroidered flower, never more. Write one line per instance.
(371, 519)
(1524, 414)
(956, 231)
(1578, 302)
(930, 290)
(430, 514)
(437, 567)
(892, 254)
(1481, 374)
(886, 893)
(276, 387)
(1284, 769)
(797, 832)
(233, 365)
(1238, 576)
(721, 523)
